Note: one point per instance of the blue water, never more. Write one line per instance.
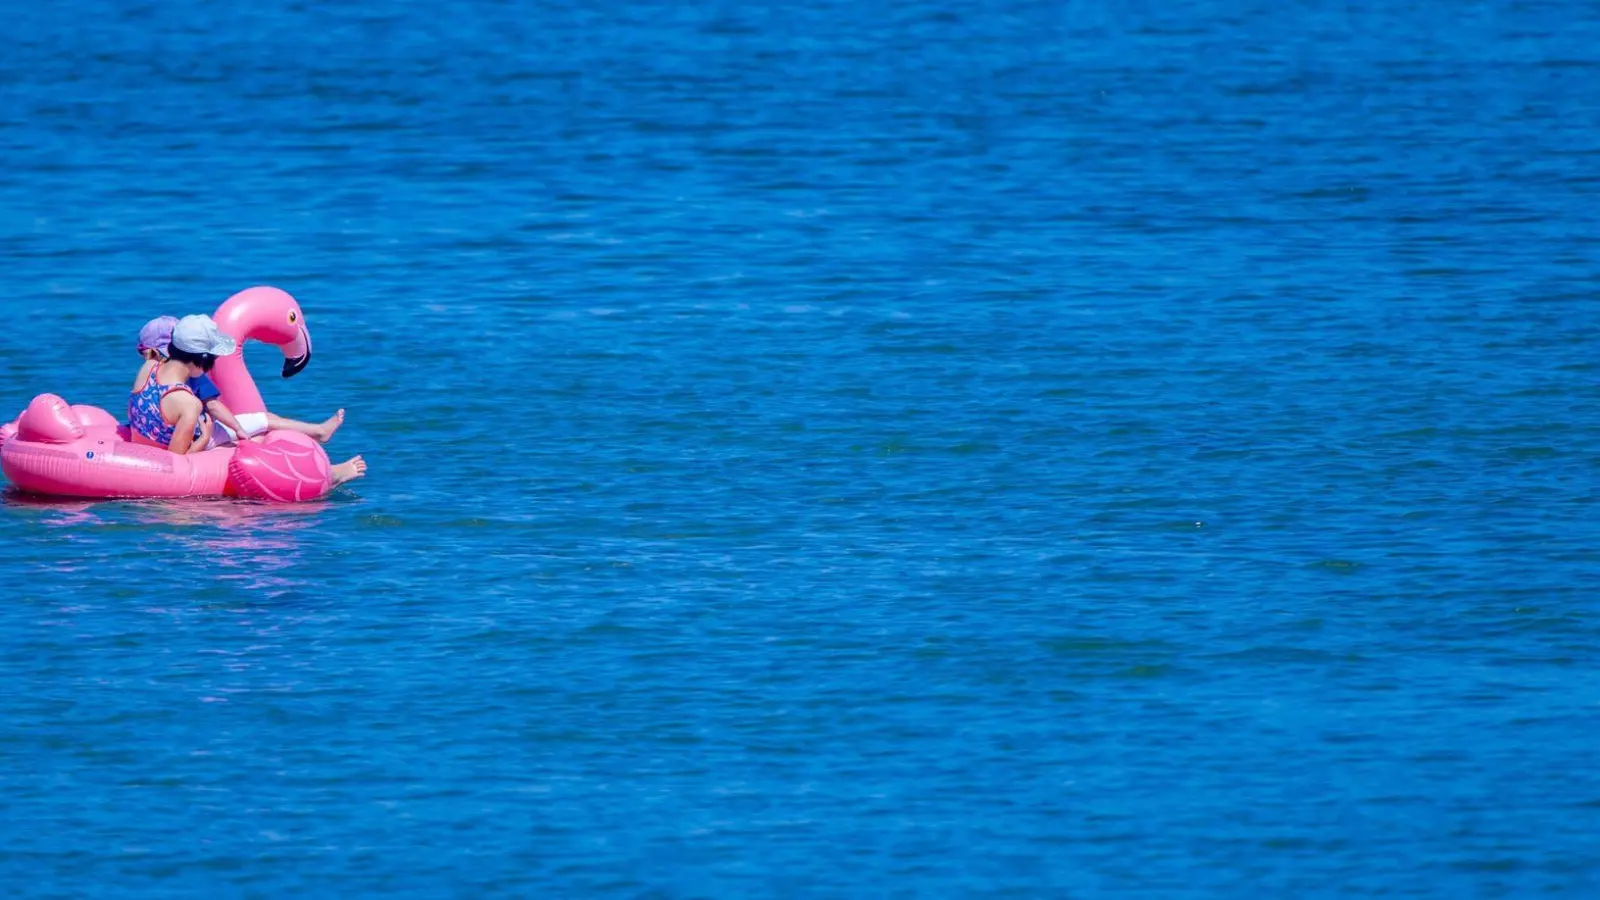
(916, 449)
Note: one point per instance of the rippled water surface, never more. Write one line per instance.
(1032, 449)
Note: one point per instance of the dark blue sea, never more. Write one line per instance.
(1027, 449)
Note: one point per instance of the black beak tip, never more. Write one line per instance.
(292, 367)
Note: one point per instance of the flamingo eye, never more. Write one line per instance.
(293, 317)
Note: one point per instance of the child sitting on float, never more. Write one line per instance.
(166, 410)
(154, 340)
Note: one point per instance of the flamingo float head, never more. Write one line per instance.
(268, 315)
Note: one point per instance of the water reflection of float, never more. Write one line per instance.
(253, 546)
(59, 449)
(250, 546)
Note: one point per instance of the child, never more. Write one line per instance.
(164, 411)
(155, 338)
(163, 408)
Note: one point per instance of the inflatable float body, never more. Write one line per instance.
(59, 449)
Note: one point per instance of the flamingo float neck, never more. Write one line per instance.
(268, 315)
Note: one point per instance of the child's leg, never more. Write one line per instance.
(226, 429)
(322, 431)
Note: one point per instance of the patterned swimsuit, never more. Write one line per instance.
(144, 411)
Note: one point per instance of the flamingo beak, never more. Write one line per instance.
(297, 353)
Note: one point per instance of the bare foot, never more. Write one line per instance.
(349, 470)
(324, 432)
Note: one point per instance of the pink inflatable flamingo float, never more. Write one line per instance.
(60, 449)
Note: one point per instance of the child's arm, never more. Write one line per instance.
(144, 373)
(207, 425)
(189, 410)
(220, 412)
